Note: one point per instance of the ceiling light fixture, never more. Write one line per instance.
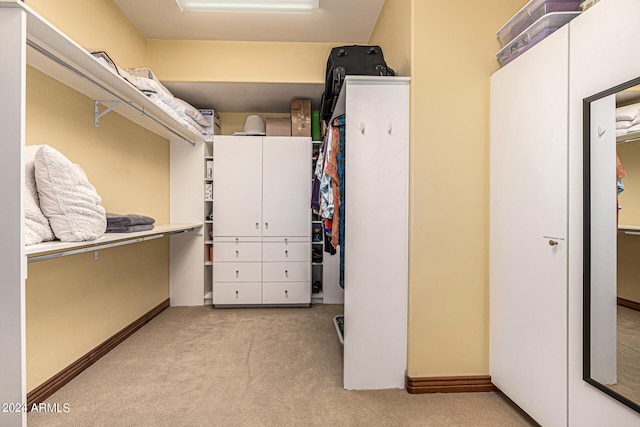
(249, 6)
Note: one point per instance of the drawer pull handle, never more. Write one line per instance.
(286, 293)
(237, 273)
(286, 253)
(237, 253)
(266, 224)
(286, 273)
(237, 294)
(257, 225)
(286, 241)
(236, 240)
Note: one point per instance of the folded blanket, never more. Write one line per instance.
(114, 219)
(129, 228)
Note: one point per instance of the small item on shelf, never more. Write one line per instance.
(315, 125)
(278, 126)
(209, 169)
(536, 32)
(253, 126)
(208, 193)
(210, 216)
(530, 13)
(316, 255)
(301, 117)
(316, 287)
(213, 125)
(338, 321)
(210, 253)
(316, 233)
(128, 223)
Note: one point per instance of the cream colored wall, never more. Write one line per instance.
(96, 24)
(452, 56)
(393, 34)
(75, 303)
(222, 61)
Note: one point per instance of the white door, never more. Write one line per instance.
(528, 222)
(237, 185)
(286, 201)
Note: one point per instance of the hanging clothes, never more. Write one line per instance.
(330, 172)
(620, 173)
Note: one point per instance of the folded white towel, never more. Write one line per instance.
(628, 112)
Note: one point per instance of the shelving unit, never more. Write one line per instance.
(208, 223)
(28, 39)
(50, 250)
(317, 240)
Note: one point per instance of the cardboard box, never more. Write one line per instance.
(301, 117)
(278, 127)
(213, 128)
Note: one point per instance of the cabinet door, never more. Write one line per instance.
(286, 205)
(528, 274)
(237, 188)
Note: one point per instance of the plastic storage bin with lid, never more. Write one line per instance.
(530, 13)
(537, 31)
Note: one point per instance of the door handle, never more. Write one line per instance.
(553, 241)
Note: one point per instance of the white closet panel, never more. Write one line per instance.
(237, 201)
(376, 267)
(528, 230)
(286, 207)
(600, 59)
(13, 262)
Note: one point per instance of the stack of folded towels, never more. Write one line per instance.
(129, 223)
(627, 119)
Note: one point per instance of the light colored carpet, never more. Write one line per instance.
(199, 366)
(628, 353)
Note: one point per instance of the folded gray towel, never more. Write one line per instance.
(129, 219)
(128, 228)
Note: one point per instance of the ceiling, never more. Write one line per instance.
(340, 21)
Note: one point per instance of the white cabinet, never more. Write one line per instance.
(237, 207)
(536, 187)
(375, 268)
(528, 217)
(262, 207)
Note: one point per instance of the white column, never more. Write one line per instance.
(187, 252)
(12, 259)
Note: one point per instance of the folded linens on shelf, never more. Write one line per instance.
(145, 81)
(627, 119)
(129, 223)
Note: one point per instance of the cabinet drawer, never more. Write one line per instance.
(286, 293)
(237, 252)
(286, 252)
(286, 271)
(237, 240)
(237, 293)
(236, 272)
(286, 239)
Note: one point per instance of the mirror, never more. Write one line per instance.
(611, 353)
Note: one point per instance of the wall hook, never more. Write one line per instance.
(362, 126)
(389, 128)
(601, 130)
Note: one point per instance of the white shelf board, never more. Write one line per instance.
(628, 137)
(56, 249)
(629, 229)
(52, 52)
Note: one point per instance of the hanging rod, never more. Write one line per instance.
(104, 245)
(88, 79)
